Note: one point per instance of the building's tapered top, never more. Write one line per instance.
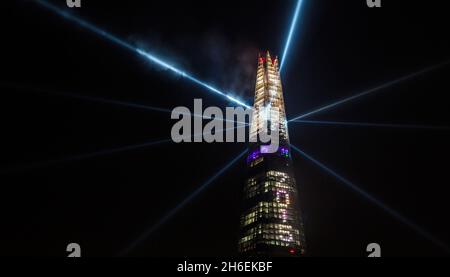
(269, 101)
(267, 61)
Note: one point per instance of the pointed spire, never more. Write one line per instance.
(260, 60)
(275, 63)
(268, 58)
(260, 70)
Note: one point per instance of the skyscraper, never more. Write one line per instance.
(270, 223)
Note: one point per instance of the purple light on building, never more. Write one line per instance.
(284, 152)
(253, 156)
(265, 149)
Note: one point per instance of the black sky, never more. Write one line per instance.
(340, 48)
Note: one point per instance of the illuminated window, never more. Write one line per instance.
(269, 210)
(272, 182)
(256, 162)
(273, 234)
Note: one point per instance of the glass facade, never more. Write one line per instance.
(271, 223)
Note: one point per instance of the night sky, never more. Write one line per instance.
(105, 202)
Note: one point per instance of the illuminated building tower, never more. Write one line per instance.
(271, 223)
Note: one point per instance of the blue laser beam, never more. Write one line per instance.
(181, 205)
(79, 157)
(82, 156)
(376, 202)
(151, 57)
(107, 101)
(371, 91)
(291, 32)
(366, 124)
(191, 78)
(28, 88)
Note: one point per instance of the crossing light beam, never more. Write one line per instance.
(181, 205)
(371, 91)
(74, 158)
(80, 157)
(86, 98)
(367, 124)
(419, 230)
(112, 102)
(291, 32)
(148, 56)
